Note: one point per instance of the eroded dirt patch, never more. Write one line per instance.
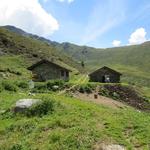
(127, 95)
(100, 100)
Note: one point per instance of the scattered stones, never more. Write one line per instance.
(23, 104)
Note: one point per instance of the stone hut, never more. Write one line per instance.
(105, 75)
(46, 70)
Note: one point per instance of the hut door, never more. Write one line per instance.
(106, 79)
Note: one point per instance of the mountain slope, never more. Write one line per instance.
(136, 56)
(30, 48)
(132, 61)
(23, 33)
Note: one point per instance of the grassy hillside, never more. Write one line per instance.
(14, 68)
(72, 125)
(132, 61)
(32, 49)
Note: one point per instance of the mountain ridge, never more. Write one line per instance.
(12, 43)
(132, 61)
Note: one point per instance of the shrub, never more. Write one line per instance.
(42, 108)
(9, 86)
(16, 147)
(40, 87)
(86, 88)
(1, 87)
(52, 83)
(23, 85)
(103, 92)
(81, 89)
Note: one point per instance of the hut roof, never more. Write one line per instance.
(48, 62)
(107, 68)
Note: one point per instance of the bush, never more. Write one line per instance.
(52, 83)
(23, 85)
(16, 147)
(103, 92)
(40, 87)
(9, 86)
(1, 87)
(42, 108)
(81, 89)
(86, 88)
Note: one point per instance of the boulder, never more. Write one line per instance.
(24, 104)
(110, 147)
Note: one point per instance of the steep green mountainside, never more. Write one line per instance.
(26, 34)
(137, 56)
(132, 61)
(31, 49)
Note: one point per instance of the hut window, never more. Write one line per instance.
(62, 73)
(67, 74)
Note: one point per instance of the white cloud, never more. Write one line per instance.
(138, 37)
(116, 43)
(69, 1)
(27, 15)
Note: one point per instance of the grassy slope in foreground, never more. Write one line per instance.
(76, 125)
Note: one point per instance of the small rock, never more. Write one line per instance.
(31, 94)
(2, 111)
(110, 147)
(55, 87)
(23, 104)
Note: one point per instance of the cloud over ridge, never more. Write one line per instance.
(116, 43)
(138, 36)
(27, 15)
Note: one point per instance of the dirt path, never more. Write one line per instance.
(100, 100)
(79, 81)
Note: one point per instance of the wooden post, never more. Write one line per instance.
(95, 96)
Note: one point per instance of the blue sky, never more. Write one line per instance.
(98, 23)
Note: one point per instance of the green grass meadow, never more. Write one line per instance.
(74, 125)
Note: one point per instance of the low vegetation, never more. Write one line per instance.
(44, 107)
(72, 125)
